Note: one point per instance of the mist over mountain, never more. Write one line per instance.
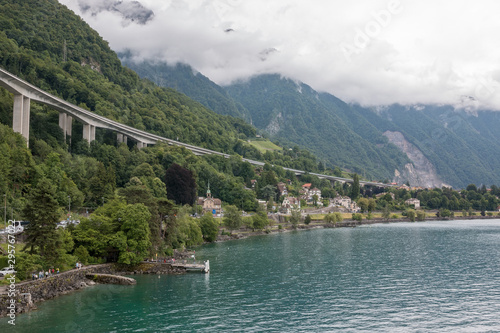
(186, 80)
(424, 145)
(132, 11)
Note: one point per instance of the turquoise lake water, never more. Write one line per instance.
(404, 277)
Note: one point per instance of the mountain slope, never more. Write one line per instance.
(186, 80)
(61, 54)
(464, 148)
(447, 146)
(322, 123)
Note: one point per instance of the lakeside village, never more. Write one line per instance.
(209, 220)
(119, 238)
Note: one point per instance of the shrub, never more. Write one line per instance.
(410, 213)
(338, 217)
(421, 215)
(329, 218)
(357, 217)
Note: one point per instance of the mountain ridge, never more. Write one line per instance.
(264, 101)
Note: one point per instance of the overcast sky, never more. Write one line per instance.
(374, 52)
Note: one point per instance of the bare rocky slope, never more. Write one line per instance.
(421, 172)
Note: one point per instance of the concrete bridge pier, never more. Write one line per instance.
(66, 123)
(121, 138)
(89, 132)
(21, 116)
(141, 144)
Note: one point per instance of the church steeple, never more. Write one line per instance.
(209, 194)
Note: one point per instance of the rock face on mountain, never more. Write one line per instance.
(421, 172)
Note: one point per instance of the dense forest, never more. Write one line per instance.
(128, 200)
(462, 146)
(66, 178)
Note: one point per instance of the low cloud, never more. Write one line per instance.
(373, 52)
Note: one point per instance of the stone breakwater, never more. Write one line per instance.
(29, 293)
(110, 279)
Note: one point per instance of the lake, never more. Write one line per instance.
(402, 277)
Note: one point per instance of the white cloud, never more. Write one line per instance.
(369, 51)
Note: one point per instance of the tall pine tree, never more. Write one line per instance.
(355, 187)
(181, 185)
(41, 211)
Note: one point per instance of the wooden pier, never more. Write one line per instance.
(204, 267)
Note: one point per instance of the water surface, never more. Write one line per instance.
(404, 277)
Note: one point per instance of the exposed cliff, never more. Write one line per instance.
(421, 172)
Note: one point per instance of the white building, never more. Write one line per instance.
(413, 202)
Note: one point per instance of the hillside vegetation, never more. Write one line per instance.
(462, 147)
(135, 210)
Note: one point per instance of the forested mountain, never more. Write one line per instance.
(325, 125)
(463, 147)
(186, 80)
(47, 45)
(437, 145)
(319, 122)
(136, 210)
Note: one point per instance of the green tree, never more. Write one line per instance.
(363, 204)
(330, 218)
(270, 205)
(82, 254)
(209, 227)
(232, 218)
(338, 217)
(357, 217)
(189, 232)
(307, 219)
(295, 218)
(443, 212)
(133, 238)
(386, 213)
(355, 189)
(410, 213)
(315, 199)
(41, 210)
(181, 185)
(421, 215)
(259, 220)
(102, 185)
(27, 263)
(372, 204)
(268, 192)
